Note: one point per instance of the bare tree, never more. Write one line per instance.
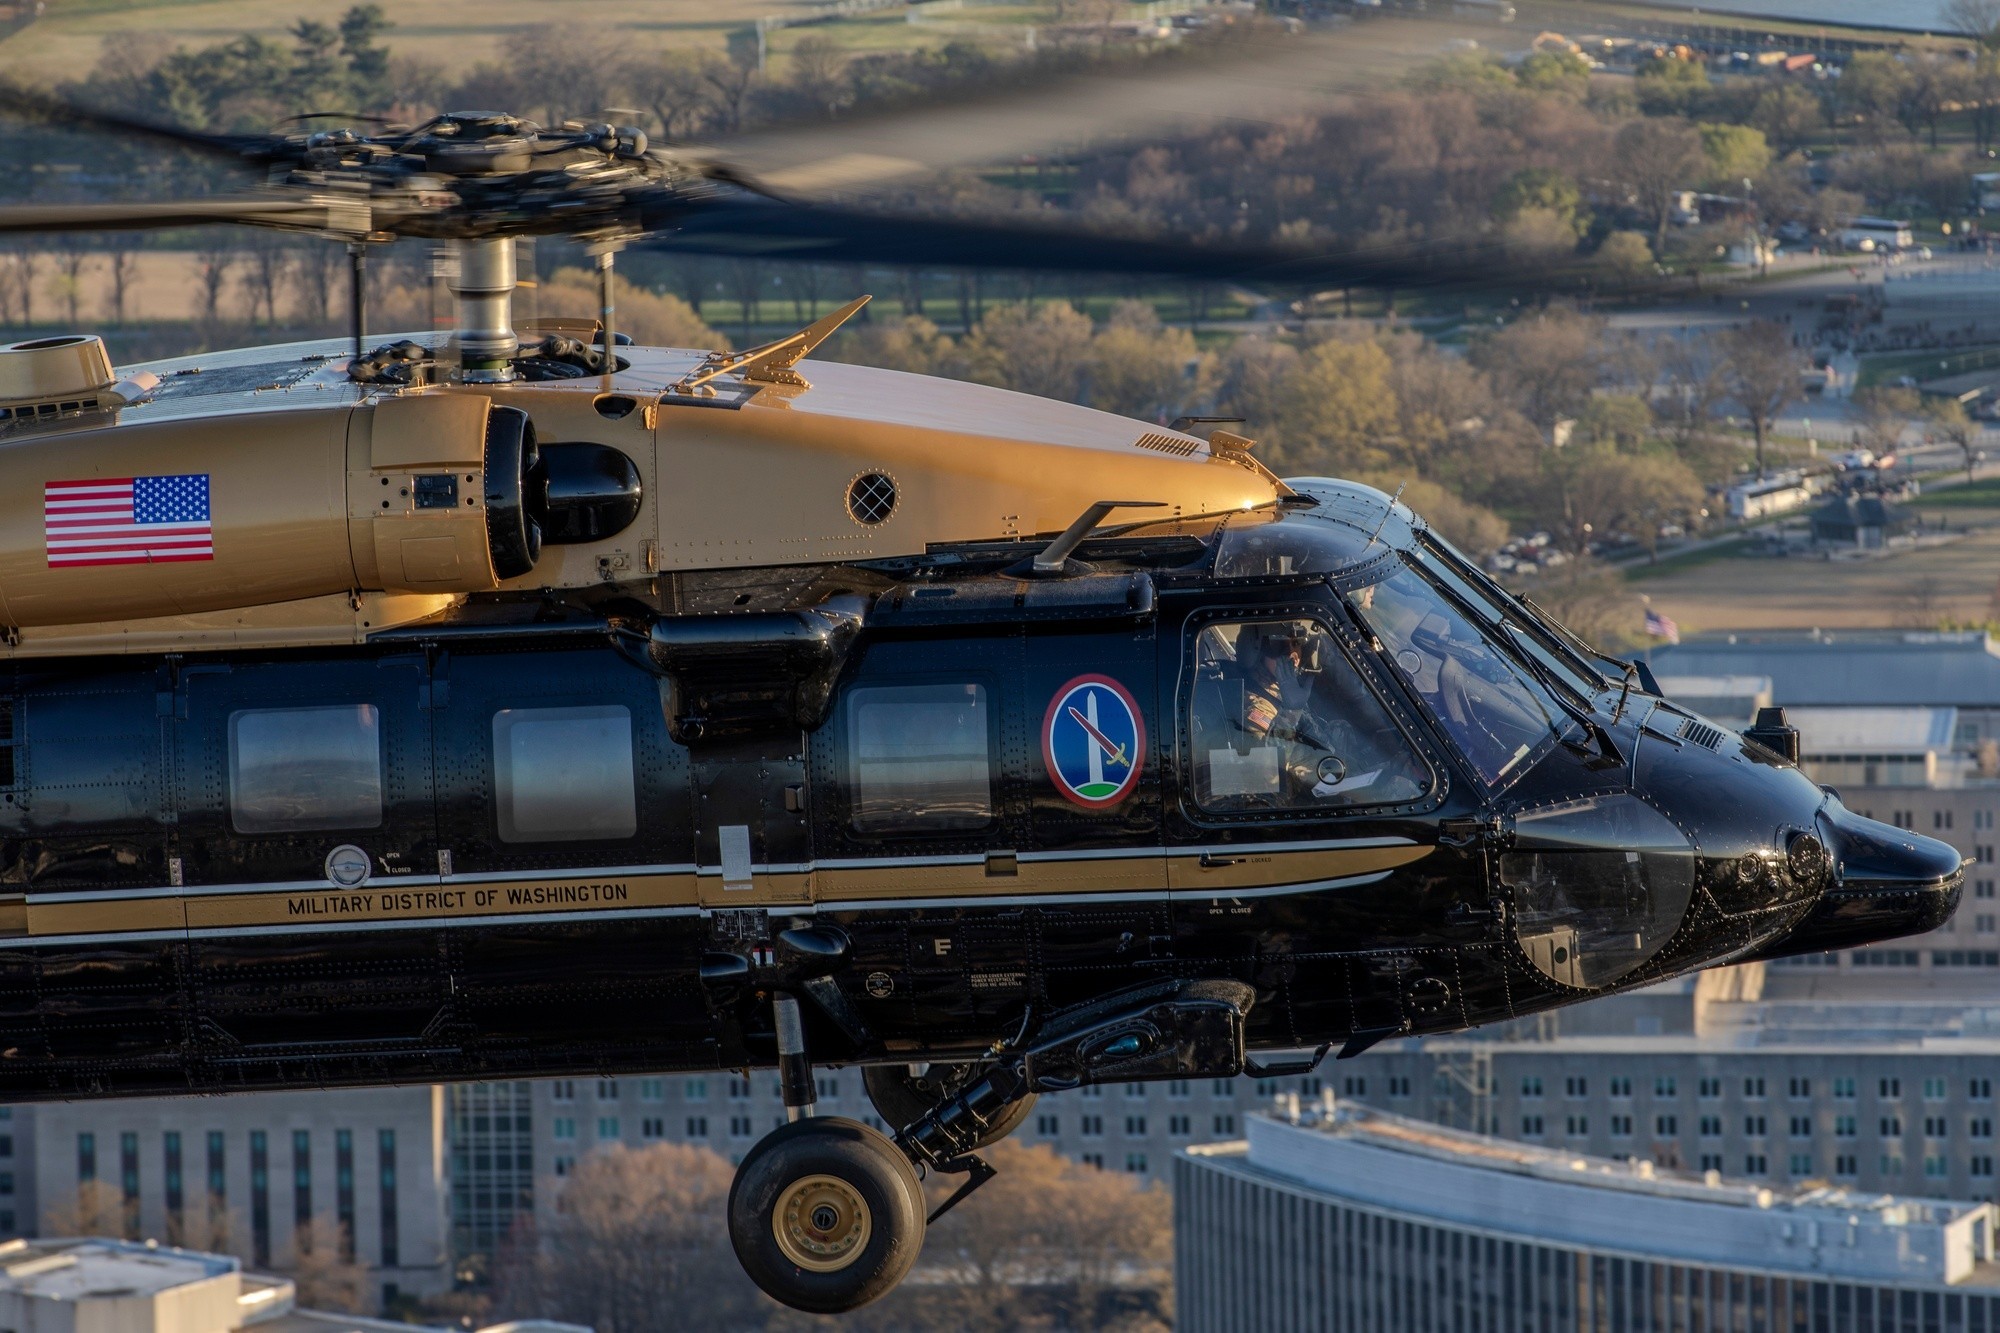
(1763, 375)
(1977, 19)
(670, 85)
(25, 264)
(318, 271)
(270, 257)
(97, 1209)
(124, 267)
(1948, 418)
(214, 260)
(729, 80)
(324, 1268)
(70, 260)
(1654, 158)
(1881, 415)
(1697, 382)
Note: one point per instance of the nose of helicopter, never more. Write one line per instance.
(1881, 883)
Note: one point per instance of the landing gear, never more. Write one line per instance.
(826, 1215)
(903, 1093)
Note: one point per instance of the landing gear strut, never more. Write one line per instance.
(903, 1093)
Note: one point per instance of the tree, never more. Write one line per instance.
(729, 80)
(819, 72)
(670, 85)
(1634, 494)
(1763, 375)
(1788, 115)
(1655, 160)
(1547, 190)
(1977, 19)
(1042, 351)
(325, 1270)
(1873, 87)
(1947, 416)
(1139, 368)
(1882, 415)
(1735, 153)
(1333, 411)
(1670, 86)
(639, 1242)
(98, 1209)
(124, 266)
(1626, 258)
(1564, 73)
(1697, 378)
(367, 61)
(1548, 362)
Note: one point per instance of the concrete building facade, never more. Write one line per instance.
(1360, 1220)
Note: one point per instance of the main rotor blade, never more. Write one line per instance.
(747, 227)
(24, 102)
(302, 215)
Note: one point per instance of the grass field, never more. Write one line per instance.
(454, 34)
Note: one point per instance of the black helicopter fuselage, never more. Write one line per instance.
(502, 851)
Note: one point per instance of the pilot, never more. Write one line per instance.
(1291, 705)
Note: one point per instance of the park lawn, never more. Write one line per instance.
(1887, 367)
(1638, 571)
(1981, 494)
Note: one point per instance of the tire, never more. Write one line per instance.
(900, 1097)
(826, 1215)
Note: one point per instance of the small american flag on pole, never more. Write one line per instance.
(1660, 627)
(127, 520)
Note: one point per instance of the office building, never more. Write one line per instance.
(1355, 1219)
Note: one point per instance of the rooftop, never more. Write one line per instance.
(1849, 668)
(1416, 1168)
(1865, 730)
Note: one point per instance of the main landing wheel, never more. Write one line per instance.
(826, 1215)
(902, 1093)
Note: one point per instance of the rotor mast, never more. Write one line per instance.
(482, 284)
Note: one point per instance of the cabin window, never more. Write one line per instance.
(295, 770)
(918, 758)
(564, 774)
(1280, 720)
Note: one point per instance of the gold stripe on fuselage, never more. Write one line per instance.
(385, 901)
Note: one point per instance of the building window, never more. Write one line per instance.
(176, 1188)
(695, 1090)
(1621, 1127)
(1891, 1164)
(302, 1184)
(1180, 1126)
(1843, 1127)
(1135, 1162)
(564, 774)
(1220, 1087)
(919, 758)
(1177, 1088)
(1753, 1088)
(1755, 1165)
(385, 1148)
(1980, 1166)
(86, 1158)
(1576, 1087)
(607, 1129)
(1709, 1127)
(1802, 1164)
(697, 1126)
(652, 1127)
(1092, 1127)
(1846, 1165)
(296, 770)
(218, 1172)
(1666, 1126)
(1843, 1089)
(1890, 1126)
(1225, 1123)
(128, 1181)
(607, 1090)
(1621, 1087)
(1095, 1159)
(1663, 1086)
(1352, 1085)
(739, 1089)
(562, 1090)
(1708, 1089)
(563, 1127)
(1531, 1126)
(1753, 1126)
(1980, 1127)
(260, 1198)
(652, 1089)
(740, 1127)
(1711, 1161)
(1399, 1085)
(1802, 1127)
(1936, 1127)
(1889, 1087)
(1531, 1086)
(1934, 1090)
(343, 1189)
(1798, 1089)
(1935, 1167)
(1048, 1126)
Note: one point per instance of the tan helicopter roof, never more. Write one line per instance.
(317, 534)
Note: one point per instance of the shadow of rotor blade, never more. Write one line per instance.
(25, 104)
(771, 229)
(302, 216)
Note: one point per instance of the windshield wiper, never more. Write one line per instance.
(1559, 689)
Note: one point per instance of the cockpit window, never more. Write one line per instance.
(1280, 720)
(1270, 544)
(1583, 676)
(1495, 712)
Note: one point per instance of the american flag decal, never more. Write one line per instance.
(128, 520)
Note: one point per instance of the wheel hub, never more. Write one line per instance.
(821, 1223)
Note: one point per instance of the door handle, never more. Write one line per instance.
(1210, 861)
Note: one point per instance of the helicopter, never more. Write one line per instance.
(528, 702)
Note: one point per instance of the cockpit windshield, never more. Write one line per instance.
(1493, 709)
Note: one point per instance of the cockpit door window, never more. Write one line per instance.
(1280, 720)
(1499, 717)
